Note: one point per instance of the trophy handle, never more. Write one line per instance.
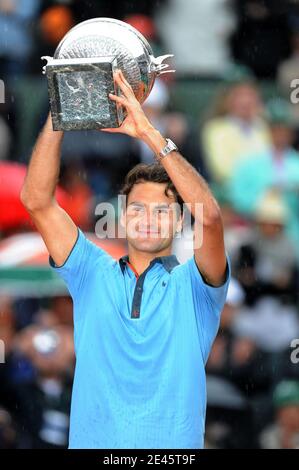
(158, 65)
(48, 59)
(165, 71)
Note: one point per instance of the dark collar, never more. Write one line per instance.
(168, 262)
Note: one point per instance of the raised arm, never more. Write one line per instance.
(38, 195)
(210, 256)
(209, 247)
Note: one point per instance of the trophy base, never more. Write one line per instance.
(79, 94)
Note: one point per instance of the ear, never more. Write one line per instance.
(179, 224)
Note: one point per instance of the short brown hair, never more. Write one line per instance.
(153, 173)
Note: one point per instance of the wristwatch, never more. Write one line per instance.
(169, 147)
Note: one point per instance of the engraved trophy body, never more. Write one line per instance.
(80, 75)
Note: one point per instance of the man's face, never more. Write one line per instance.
(151, 218)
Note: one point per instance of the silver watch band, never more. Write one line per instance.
(169, 147)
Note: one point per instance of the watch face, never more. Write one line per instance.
(171, 145)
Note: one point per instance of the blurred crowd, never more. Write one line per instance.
(246, 146)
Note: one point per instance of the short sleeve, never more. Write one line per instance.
(216, 295)
(208, 302)
(80, 263)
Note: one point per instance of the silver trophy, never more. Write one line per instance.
(80, 75)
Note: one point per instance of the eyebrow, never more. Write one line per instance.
(162, 205)
(135, 203)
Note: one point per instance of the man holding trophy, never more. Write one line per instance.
(143, 325)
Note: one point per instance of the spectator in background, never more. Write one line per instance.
(283, 433)
(268, 273)
(197, 33)
(236, 375)
(43, 403)
(236, 130)
(267, 263)
(276, 167)
(16, 21)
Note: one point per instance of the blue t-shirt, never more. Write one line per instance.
(141, 348)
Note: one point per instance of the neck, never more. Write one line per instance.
(141, 259)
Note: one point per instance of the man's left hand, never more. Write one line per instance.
(136, 123)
